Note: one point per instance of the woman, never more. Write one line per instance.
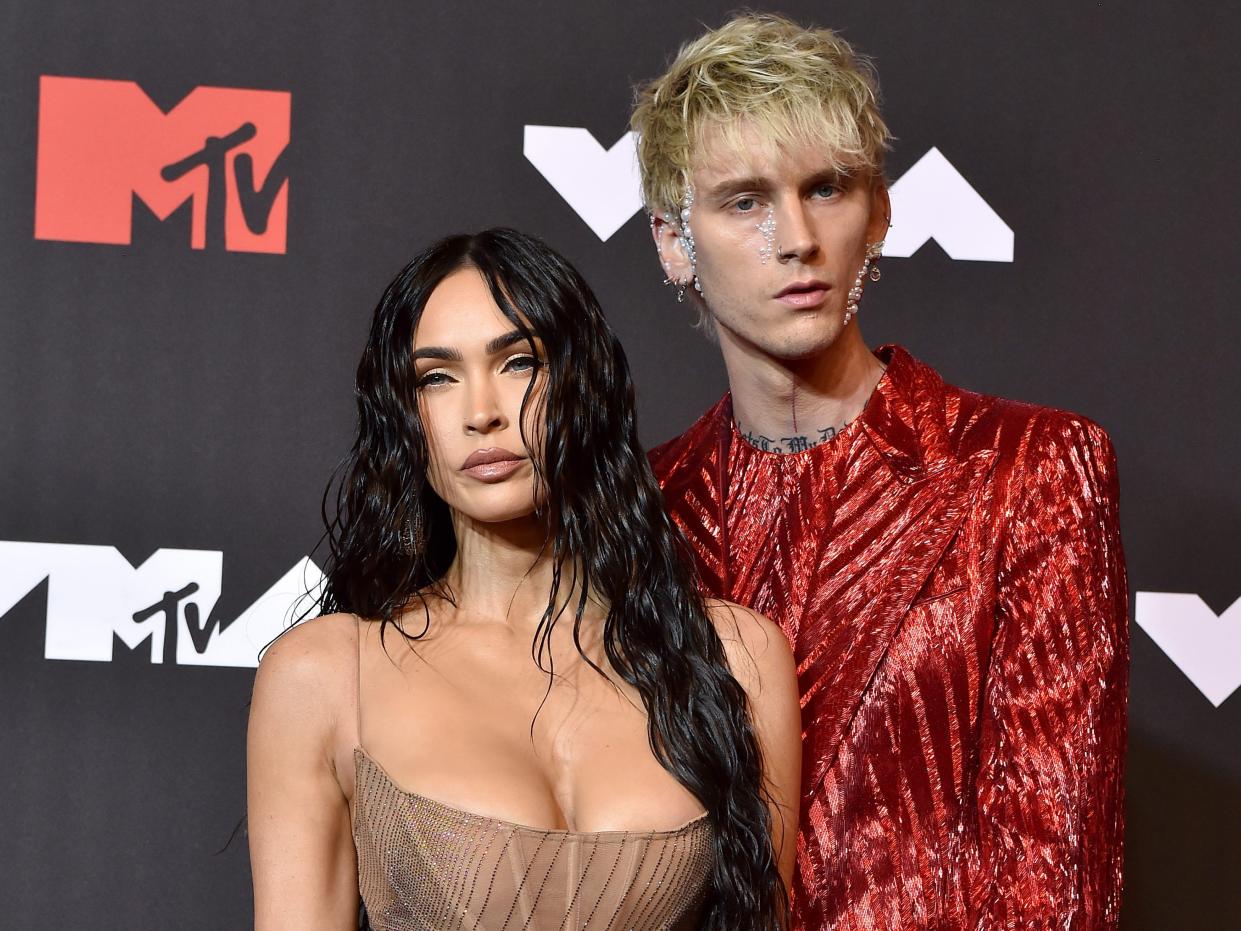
(521, 714)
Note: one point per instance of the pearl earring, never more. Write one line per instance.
(870, 264)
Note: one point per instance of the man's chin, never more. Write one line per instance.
(798, 347)
(788, 341)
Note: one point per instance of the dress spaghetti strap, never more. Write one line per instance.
(357, 677)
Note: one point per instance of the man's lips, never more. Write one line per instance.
(493, 464)
(809, 293)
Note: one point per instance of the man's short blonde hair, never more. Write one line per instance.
(794, 85)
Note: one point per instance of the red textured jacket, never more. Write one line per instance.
(949, 572)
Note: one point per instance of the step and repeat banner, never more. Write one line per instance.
(200, 204)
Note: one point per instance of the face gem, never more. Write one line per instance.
(687, 236)
(768, 229)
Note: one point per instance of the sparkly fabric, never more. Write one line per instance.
(425, 866)
(949, 572)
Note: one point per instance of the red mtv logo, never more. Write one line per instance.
(101, 143)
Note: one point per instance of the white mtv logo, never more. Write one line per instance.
(1205, 647)
(95, 595)
(930, 201)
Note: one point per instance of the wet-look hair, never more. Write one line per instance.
(608, 536)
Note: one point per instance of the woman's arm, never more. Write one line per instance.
(762, 662)
(301, 846)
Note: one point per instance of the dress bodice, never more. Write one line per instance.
(427, 866)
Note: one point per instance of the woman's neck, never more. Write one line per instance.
(504, 571)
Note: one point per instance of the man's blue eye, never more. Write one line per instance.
(745, 205)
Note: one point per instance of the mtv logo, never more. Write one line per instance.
(1205, 647)
(103, 143)
(96, 597)
(930, 201)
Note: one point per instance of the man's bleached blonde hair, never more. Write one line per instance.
(791, 84)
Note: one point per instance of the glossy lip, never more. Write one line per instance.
(809, 293)
(493, 464)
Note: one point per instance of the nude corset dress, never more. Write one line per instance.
(427, 866)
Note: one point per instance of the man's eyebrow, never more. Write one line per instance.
(731, 186)
(829, 176)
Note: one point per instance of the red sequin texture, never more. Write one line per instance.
(949, 572)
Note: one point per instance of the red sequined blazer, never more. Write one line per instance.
(961, 635)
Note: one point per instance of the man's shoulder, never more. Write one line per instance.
(662, 456)
(1032, 442)
(977, 418)
(689, 447)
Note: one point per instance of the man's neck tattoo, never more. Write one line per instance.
(791, 444)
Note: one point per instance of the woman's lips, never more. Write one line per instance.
(491, 465)
(494, 471)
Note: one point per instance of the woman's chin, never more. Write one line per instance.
(495, 513)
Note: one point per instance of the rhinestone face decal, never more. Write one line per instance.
(687, 236)
(768, 229)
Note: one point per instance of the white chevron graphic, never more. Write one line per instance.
(933, 201)
(1205, 647)
(930, 201)
(603, 187)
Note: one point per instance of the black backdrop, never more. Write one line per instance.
(159, 397)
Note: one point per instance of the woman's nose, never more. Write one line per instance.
(484, 414)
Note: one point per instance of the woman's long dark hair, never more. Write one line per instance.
(605, 514)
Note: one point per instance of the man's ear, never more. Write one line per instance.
(671, 249)
(880, 212)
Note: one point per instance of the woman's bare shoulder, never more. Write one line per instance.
(754, 644)
(312, 660)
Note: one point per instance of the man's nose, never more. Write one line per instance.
(795, 235)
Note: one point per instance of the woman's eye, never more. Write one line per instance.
(432, 380)
(522, 364)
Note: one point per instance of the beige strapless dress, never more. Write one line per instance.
(426, 866)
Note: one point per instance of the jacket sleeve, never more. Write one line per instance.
(1050, 791)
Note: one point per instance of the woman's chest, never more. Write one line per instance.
(566, 750)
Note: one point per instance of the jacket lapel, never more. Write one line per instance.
(875, 568)
(893, 525)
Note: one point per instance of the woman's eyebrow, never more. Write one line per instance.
(503, 342)
(438, 352)
(450, 354)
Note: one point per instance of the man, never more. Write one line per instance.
(947, 565)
